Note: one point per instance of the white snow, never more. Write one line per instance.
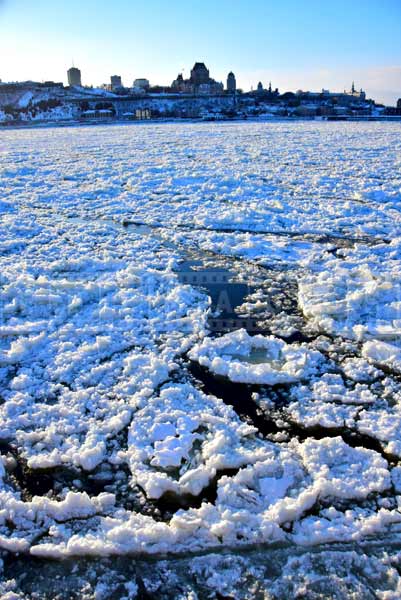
(358, 296)
(96, 329)
(256, 359)
(180, 440)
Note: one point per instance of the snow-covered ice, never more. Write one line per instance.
(110, 444)
(256, 359)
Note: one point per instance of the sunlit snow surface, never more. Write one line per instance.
(114, 435)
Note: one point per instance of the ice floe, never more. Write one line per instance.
(256, 359)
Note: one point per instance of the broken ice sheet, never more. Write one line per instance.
(96, 327)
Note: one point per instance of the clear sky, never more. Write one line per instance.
(297, 44)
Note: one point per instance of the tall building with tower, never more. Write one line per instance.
(231, 83)
(355, 93)
(199, 82)
(74, 77)
(199, 74)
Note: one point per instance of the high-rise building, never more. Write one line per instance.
(231, 82)
(116, 82)
(74, 77)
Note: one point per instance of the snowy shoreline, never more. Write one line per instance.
(46, 124)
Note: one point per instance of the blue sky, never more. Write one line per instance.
(298, 44)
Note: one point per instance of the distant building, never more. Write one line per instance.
(200, 82)
(266, 95)
(143, 113)
(116, 82)
(179, 83)
(360, 95)
(74, 77)
(142, 83)
(52, 84)
(102, 113)
(199, 74)
(350, 99)
(231, 83)
(399, 103)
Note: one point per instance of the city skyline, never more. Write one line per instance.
(296, 45)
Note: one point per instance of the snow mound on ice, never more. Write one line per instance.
(180, 440)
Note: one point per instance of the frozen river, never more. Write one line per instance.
(200, 352)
